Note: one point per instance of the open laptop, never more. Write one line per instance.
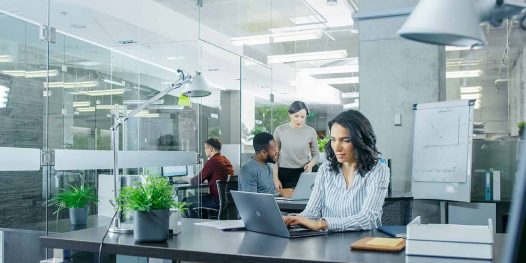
(260, 213)
(303, 188)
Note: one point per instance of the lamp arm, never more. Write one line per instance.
(495, 11)
(183, 78)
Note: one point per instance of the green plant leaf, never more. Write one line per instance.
(153, 194)
(74, 197)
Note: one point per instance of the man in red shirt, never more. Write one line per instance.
(218, 167)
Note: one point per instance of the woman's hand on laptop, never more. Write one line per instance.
(305, 222)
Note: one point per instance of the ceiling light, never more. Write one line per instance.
(108, 107)
(5, 58)
(132, 102)
(455, 48)
(165, 107)
(335, 81)
(309, 56)
(286, 29)
(88, 63)
(463, 74)
(85, 109)
(497, 81)
(127, 42)
(329, 70)
(475, 89)
(277, 38)
(78, 26)
(31, 74)
(122, 83)
(172, 58)
(72, 85)
(145, 114)
(462, 62)
(101, 92)
(302, 20)
(352, 105)
(77, 104)
(350, 95)
(471, 96)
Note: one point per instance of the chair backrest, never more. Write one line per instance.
(227, 207)
(397, 212)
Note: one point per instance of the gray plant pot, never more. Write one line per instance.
(151, 226)
(78, 216)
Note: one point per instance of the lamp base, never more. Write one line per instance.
(120, 230)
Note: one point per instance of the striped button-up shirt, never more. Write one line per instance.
(358, 207)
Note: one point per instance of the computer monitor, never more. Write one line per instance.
(173, 171)
(515, 245)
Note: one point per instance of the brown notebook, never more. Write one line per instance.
(379, 244)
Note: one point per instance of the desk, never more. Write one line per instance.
(206, 244)
(298, 206)
(180, 189)
(23, 244)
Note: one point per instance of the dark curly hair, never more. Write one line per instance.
(362, 139)
(262, 141)
(214, 143)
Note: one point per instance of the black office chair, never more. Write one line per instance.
(397, 212)
(227, 207)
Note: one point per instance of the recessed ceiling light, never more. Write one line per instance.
(127, 42)
(173, 58)
(78, 26)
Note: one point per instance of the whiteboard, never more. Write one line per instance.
(442, 150)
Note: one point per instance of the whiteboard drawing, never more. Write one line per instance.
(442, 150)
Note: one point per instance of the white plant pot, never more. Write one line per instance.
(175, 221)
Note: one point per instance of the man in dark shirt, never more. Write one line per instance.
(218, 167)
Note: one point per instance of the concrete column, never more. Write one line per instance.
(395, 74)
(230, 117)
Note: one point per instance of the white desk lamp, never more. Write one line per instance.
(195, 87)
(457, 22)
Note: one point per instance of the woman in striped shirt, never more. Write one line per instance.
(350, 187)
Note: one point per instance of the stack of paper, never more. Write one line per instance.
(448, 240)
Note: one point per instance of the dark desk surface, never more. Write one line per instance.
(206, 244)
(298, 206)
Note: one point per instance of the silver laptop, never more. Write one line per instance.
(260, 213)
(303, 188)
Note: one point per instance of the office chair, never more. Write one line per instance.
(397, 212)
(227, 207)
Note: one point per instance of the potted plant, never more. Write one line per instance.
(521, 125)
(77, 200)
(150, 201)
(321, 146)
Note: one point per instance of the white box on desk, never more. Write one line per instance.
(448, 240)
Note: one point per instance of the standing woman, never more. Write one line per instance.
(298, 146)
(350, 187)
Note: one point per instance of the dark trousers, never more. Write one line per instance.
(289, 176)
(206, 201)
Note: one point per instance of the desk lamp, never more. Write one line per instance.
(194, 87)
(457, 22)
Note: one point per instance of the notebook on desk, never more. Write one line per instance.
(394, 231)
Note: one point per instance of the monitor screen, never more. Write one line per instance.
(515, 246)
(171, 171)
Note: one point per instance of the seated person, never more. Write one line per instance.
(218, 167)
(256, 174)
(350, 188)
